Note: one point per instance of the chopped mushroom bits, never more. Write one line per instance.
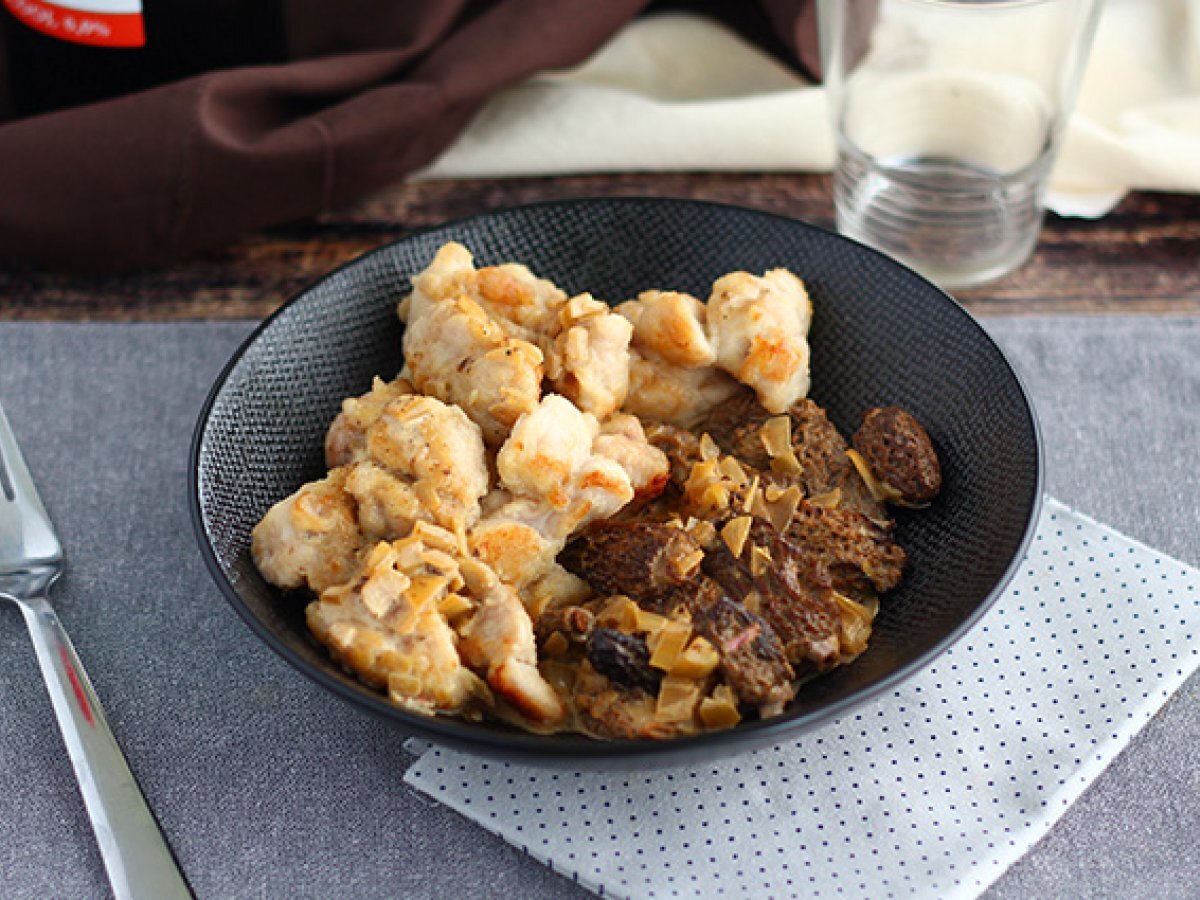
(628, 522)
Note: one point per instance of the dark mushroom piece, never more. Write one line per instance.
(623, 658)
(642, 560)
(752, 658)
(681, 446)
(860, 554)
(793, 591)
(822, 466)
(900, 455)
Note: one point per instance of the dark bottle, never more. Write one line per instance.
(64, 53)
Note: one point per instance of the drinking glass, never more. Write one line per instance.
(948, 116)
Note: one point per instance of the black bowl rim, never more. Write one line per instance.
(534, 747)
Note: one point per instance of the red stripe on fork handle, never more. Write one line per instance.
(77, 686)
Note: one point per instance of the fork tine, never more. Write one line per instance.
(32, 533)
(18, 483)
(6, 487)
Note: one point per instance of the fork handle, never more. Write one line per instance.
(135, 853)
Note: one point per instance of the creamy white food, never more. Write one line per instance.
(516, 421)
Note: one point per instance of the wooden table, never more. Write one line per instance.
(1142, 258)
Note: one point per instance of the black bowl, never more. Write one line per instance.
(881, 335)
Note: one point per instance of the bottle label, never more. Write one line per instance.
(101, 23)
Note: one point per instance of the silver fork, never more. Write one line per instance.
(136, 856)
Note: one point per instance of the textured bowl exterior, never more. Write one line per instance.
(881, 335)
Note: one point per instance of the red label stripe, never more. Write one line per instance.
(96, 28)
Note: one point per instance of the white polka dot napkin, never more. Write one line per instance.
(931, 790)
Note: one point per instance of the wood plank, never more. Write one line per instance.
(1144, 258)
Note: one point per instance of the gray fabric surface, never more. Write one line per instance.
(268, 787)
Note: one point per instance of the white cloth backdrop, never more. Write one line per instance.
(677, 92)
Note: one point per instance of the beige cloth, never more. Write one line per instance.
(677, 92)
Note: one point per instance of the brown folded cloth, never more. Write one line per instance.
(373, 90)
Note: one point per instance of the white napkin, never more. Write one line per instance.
(931, 790)
(678, 92)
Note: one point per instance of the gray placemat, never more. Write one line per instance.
(266, 786)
